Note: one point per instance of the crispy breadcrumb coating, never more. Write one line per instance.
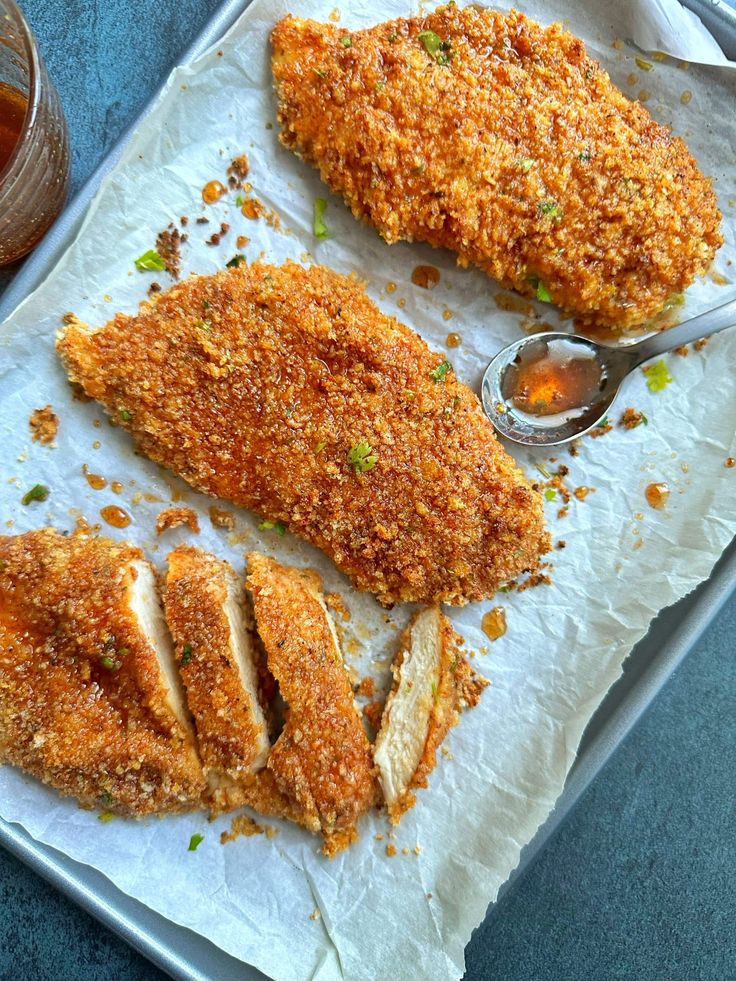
(482, 132)
(286, 391)
(85, 704)
(433, 681)
(322, 758)
(204, 606)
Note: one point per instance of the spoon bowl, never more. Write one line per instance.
(550, 388)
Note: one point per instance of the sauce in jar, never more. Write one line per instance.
(13, 105)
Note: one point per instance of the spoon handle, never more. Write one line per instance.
(704, 324)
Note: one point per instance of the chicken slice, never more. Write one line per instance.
(482, 132)
(322, 758)
(286, 391)
(432, 681)
(90, 698)
(204, 605)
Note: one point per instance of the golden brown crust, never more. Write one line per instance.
(509, 146)
(82, 704)
(175, 517)
(457, 687)
(256, 383)
(322, 759)
(230, 726)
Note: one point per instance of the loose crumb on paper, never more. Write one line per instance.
(44, 425)
(175, 517)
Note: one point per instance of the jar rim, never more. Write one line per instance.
(34, 74)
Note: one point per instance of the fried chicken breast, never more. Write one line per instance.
(286, 391)
(90, 699)
(322, 758)
(432, 682)
(484, 133)
(204, 609)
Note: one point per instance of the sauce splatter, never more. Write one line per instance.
(252, 209)
(115, 516)
(657, 495)
(95, 480)
(116, 487)
(447, 314)
(730, 463)
(686, 97)
(425, 276)
(454, 340)
(213, 191)
(493, 623)
(390, 287)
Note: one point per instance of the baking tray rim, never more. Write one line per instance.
(138, 925)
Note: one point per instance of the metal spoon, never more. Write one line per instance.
(614, 364)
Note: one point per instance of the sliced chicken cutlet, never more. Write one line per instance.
(322, 758)
(432, 682)
(286, 391)
(484, 133)
(204, 606)
(90, 699)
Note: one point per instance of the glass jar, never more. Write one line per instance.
(34, 148)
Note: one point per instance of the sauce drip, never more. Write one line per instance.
(115, 516)
(95, 480)
(13, 105)
(493, 623)
(657, 495)
(426, 276)
(550, 378)
(116, 487)
(454, 340)
(213, 191)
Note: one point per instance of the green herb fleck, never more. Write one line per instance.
(319, 72)
(39, 492)
(205, 325)
(318, 227)
(380, 86)
(435, 693)
(149, 260)
(361, 457)
(551, 209)
(319, 447)
(186, 655)
(346, 42)
(125, 415)
(526, 164)
(646, 66)
(105, 817)
(277, 526)
(206, 304)
(644, 420)
(435, 46)
(543, 293)
(240, 200)
(658, 376)
(603, 423)
(107, 798)
(123, 652)
(438, 374)
(550, 494)
(108, 663)
(194, 842)
(589, 73)
(237, 260)
(584, 155)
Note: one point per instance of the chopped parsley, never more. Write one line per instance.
(603, 423)
(237, 260)
(150, 260)
(393, 37)
(658, 376)
(205, 325)
(39, 492)
(526, 164)
(643, 420)
(277, 526)
(319, 73)
(380, 86)
(125, 415)
(551, 209)
(438, 374)
(186, 655)
(319, 447)
(435, 46)
(361, 457)
(540, 290)
(550, 494)
(240, 200)
(107, 798)
(347, 41)
(105, 817)
(584, 155)
(194, 842)
(318, 225)
(109, 663)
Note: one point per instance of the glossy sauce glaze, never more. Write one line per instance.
(552, 377)
(115, 516)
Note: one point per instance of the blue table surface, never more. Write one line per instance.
(638, 883)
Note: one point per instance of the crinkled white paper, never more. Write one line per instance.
(410, 915)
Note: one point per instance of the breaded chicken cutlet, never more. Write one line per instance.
(286, 391)
(433, 681)
(90, 700)
(203, 603)
(322, 758)
(484, 133)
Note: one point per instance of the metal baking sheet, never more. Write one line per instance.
(182, 953)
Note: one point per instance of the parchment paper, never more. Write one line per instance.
(410, 915)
